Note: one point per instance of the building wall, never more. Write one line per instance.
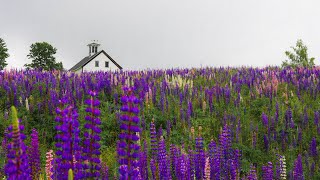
(102, 59)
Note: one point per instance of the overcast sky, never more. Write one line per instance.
(163, 33)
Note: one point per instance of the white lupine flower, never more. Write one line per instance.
(283, 168)
(27, 104)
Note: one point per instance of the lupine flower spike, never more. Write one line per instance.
(68, 148)
(34, 155)
(49, 164)
(91, 147)
(17, 167)
(128, 147)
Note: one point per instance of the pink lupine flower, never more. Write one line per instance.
(207, 169)
(49, 166)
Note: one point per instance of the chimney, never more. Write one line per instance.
(93, 48)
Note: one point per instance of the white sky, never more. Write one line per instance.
(163, 33)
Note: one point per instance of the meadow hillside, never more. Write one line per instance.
(208, 123)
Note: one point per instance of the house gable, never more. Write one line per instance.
(88, 63)
(99, 61)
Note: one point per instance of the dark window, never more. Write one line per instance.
(92, 49)
(97, 63)
(96, 49)
(107, 64)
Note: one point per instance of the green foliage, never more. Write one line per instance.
(42, 56)
(109, 155)
(70, 174)
(299, 56)
(3, 54)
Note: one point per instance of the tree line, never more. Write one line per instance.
(42, 56)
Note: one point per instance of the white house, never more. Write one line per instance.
(96, 61)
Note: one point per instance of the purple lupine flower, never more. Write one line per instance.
(312, 169)
(91, 145)
(211, 101)
(181, 99)
(199, 158)
(267, 171)
(313, 148)
(34, 155)
(153, 139)
(17, 166)
(169, 177)
(226, 152)
(278, 167)
(277, 113)
(184, 172)
(217, 164)
(227, 95)
(162, 160)
(143, 164)
(265, 120)
(299, 135)
(188, 116)
(212, 152)
(236, 159)
(266, 142)
(182, 116)
(190, 107)
(305, 117)
(153, 168)
(288, 118)
(168, 128)
(174, 159)
(232, 169)
(252, 174)
(298, 169)
(68, 142)
(104, 171)
(160, 132)
(316, 118)
(162, 96)
(192, 163)
(127, 146)
(143, 124)
(4, 144)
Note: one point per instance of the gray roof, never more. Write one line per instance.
(87, 59)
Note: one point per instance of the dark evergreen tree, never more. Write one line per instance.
(3, 54)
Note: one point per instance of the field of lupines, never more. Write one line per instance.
(208, 123)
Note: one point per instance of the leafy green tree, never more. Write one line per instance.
(299, 56)
(3, 54)
(59, 66)
(42, 56)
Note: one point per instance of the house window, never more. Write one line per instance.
(97, 63)
(96, 49)
(92, 49)
(107, 64)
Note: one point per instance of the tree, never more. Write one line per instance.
(42, 56)
(299, 56)
(59, 66)
(3, 54)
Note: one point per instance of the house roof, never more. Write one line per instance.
(87, 59)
